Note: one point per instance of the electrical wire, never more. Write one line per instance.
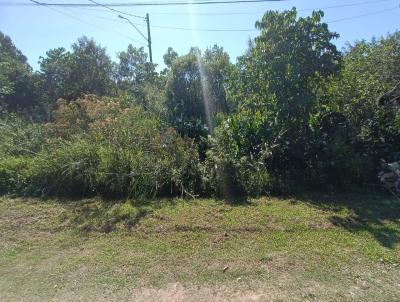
(204, 29)
(363, 15)
(258, 12)
(345, 5)
(130, 22)
(253, 30)
(88, 23)
(128, 4)
(169, 27)
(157, 26)
(117, 11)
(249, 30)
(116, 20)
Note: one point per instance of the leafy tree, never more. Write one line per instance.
(91, 70)
(370, 70)
(170, 56)
(276, 87)
(185, 101)
(87, 69)
(289, 59)
(138, 78)
(16, 78)
(133, 68)
(219, 69)
(196, 91)
(55, 71)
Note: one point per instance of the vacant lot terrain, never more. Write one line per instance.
(325, 248)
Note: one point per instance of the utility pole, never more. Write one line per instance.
(149, 37)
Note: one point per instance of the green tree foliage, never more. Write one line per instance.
(196, 91)
(56, 68)
(169, 57)
(91, 70)
(276, 89)
(16, 79)
(138, 78)
(55, 71)
(87, 69)
(133, 68)
(370, 70)
(218, 69)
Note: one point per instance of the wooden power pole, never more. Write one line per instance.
(149, 37)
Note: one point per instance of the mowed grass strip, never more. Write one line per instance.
(322, 248)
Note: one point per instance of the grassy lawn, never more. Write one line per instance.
(316, 248)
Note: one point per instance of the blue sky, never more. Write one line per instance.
(36, 29)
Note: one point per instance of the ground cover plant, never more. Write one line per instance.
(323, 248)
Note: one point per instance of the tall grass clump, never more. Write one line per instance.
(20, 142)
(102, 147)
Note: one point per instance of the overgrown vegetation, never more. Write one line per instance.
(293, 113)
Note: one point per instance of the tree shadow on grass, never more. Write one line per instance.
(373, 212)
(105, 216)
(236, 200)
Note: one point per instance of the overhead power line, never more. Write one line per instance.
(88, 23)
(254, 30)
(117, 11)
(345, 5)
(169, 27)
(364, 15)
(258, 12)
(131, 4)
(97, 6)
(205, 29)
(166, 27)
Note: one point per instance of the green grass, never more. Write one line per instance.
(316, 248)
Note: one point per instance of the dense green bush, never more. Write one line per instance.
(333, 158)
(19, 137)
(20, 142)
(141, 157)
(103, 148)
(15, 174)
(238, 161)
(370, 70)
(65, 168)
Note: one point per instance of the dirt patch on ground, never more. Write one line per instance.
(281, 290)
(178, 293)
